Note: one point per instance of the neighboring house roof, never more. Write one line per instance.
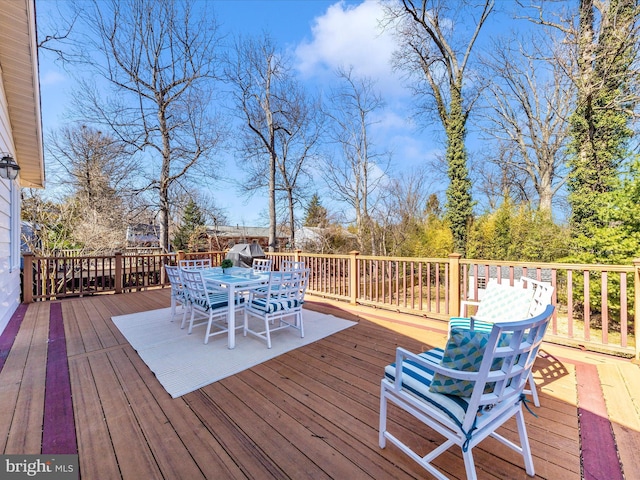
(310, 234)
(28, 236)
(545, 273)
(239, 231)
(19, 70)
(143, 233)
(318, 233)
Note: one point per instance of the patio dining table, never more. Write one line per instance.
(238, 280)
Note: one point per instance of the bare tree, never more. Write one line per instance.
(95, 165)
(158, 59)
(435, 56)
(54, 34)
(402, 209)
(530, 100)
(48, 221)
(503, 179)
(355, 173)
(98, 177)
(276, 118)
(298, 146)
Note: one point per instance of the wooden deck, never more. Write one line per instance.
(308, 414)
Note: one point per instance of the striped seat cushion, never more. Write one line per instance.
(217, 300)
(275, 305)
(417, 380)
(179, 294)
(465, 323)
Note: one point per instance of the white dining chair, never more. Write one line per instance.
(211, 303)
(261, 264)
(178, 294)
(195, 263)
(279, 306)
(287, 265)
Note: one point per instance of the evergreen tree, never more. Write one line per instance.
(192, 222)
(316, 214)
(517, 233)
(600, 124)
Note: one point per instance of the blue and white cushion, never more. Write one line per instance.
(417, 379)
(465, 352)
(274, 305)
(217, 300)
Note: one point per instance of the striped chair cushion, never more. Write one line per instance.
(274, 305)
(465, 324)
(417, 380)
(179, 294)
(217, 300)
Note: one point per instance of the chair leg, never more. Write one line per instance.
(173, 308)
(382, 441)
(267, 332)
(301, 324)
(533, 390)
(193, 312)
(185, 310)
(524, 443)
(469, 464)
(208, 332)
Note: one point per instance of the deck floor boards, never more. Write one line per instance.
(309, 413)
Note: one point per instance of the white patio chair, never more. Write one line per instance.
(282, 298)
(298, 266)
(542, 294)
(178, 293)
(261, 264)
(501, 302)
(287, 265)
(195, 263)
(211, 303)
(466, 396)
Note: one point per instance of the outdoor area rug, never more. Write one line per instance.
(183, 363)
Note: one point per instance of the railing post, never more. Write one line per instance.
(181, 256)
(353, 277)
(119, 270)
(27, 277)
(296, 254)
(454, 284)
(636, 306)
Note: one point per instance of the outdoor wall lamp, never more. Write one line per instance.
(8, 167)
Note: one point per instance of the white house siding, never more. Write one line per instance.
(9, 251)
(9, 226)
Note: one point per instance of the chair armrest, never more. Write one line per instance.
(403, 354)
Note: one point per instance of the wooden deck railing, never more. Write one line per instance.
(596, 305)
(53, 278)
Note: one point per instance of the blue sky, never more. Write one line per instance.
(322, 35)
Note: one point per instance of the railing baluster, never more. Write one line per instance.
(604, 309)
(623, 309)
(586, 311)
(570, 303)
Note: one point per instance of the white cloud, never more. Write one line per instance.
(52, 77)
(348, 35)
